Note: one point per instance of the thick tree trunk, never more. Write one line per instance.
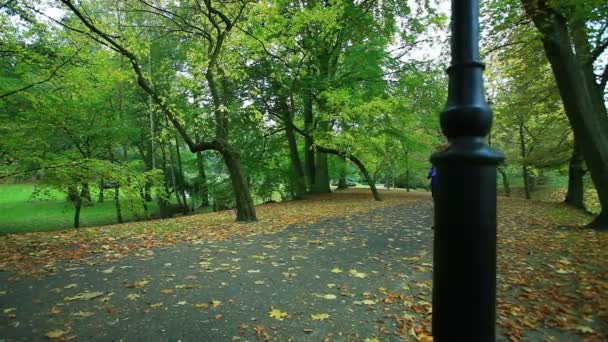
(245, 210)
(309, 152)
(117, 204)
(203, 188)
(505, 181)
(576, 172)
(588, 119)
(321, 184)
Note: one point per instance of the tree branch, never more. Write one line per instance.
(51, 76)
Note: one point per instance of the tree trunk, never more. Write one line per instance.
(321, 184)
(342, 179)
(182, 178)
(245, 210)
(576, 172)
(296, 166)
(524, 165)
(587, 117)
(100, 196)
(144, 203)
(117, 204)
(85, 192)
(505, 181)
(203, 188)
(309, 152)
(407, 180)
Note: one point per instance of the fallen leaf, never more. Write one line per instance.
(54, 311)
(357, 274)
(54, 334)
(133, 296)
(70, 286)
(83, 314)
(109, 270)
(584, 329)
(277, 314)
(138, 284)
(329, 296)
(336, 270)
(85, 296)
(167, 291)
(320, 316)
(156, 305)
(219, 316)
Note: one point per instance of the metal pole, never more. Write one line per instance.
(464, 273)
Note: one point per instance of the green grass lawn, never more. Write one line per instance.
(19, 212)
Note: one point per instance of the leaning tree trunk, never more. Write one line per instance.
(362, 169)
(584, 114)
(245, 210)
(576, 172)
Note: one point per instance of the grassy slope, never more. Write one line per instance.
(20, 213)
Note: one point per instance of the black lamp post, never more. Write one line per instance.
(464, 273)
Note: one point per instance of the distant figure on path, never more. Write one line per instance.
(433, 177)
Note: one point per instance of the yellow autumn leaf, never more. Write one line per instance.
(320, 316)
(329, 296)
(156, 305)
(357, 274)
(55, 333)
(167, 291)
(336, 270)
(215, 303)
(277, 314)
(133, 296)
(83, 314)
(109, 270)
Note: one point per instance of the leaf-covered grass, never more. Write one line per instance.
(21, 213)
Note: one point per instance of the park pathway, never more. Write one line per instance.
(356, 274)
(361, 277)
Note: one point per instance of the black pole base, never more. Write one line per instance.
(464, 274)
